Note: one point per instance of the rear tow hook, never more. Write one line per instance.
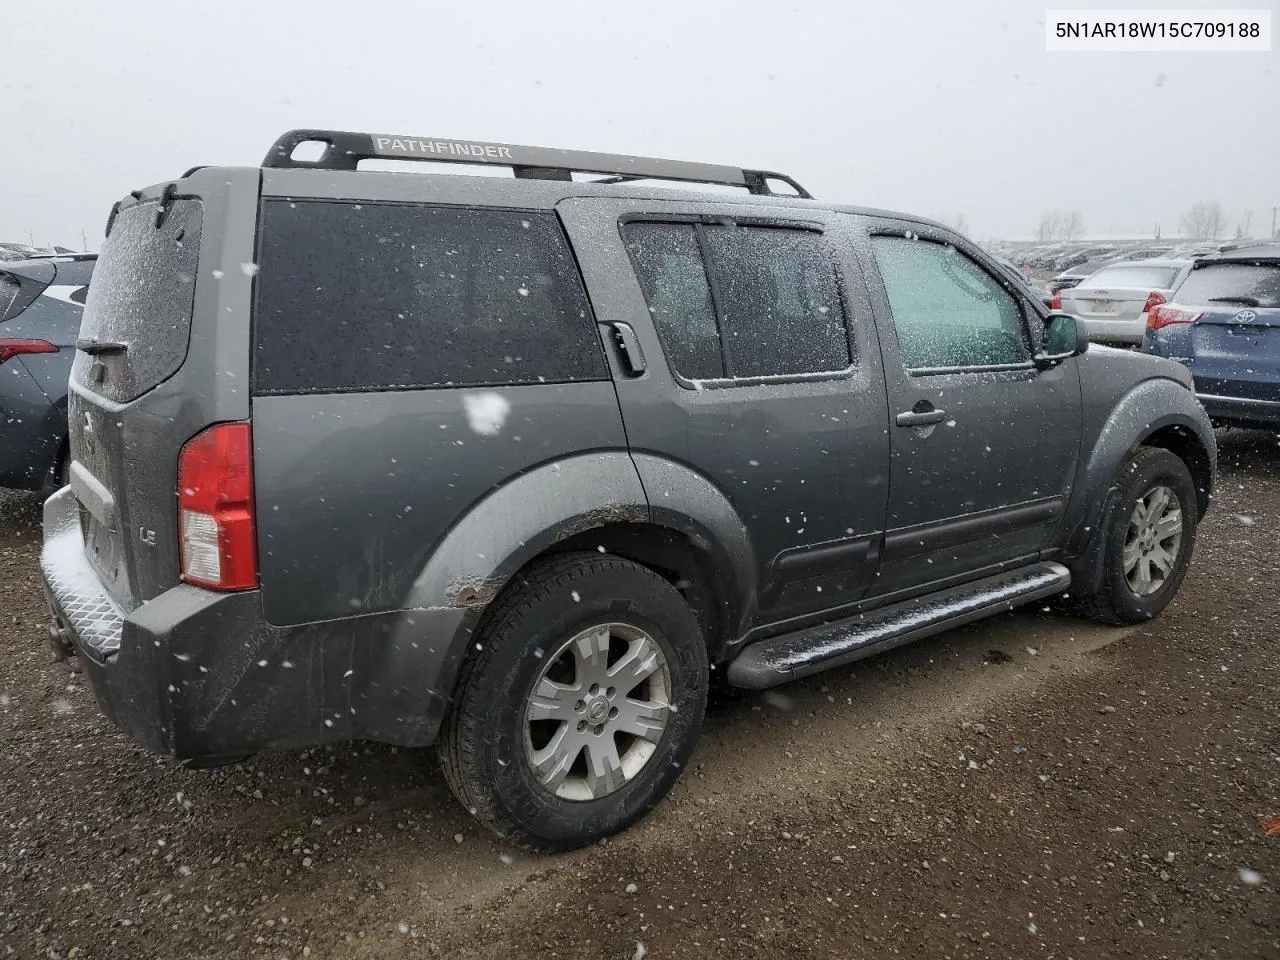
(64, 651)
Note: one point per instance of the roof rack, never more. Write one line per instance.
(344, 151)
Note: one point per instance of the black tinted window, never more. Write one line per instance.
(675, 285)
(1232, 284)
(780, 307)
(776, 309)
(358, 296)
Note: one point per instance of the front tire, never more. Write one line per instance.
(1147, 539)
(581, 706)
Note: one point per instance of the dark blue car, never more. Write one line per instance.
(1223, 322)
(41, 301)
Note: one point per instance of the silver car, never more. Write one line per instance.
(1113, 302)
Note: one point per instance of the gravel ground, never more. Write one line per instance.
(1029, 787)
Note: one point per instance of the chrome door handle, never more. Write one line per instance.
(920, 418)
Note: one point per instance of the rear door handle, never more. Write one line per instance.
(629, 347)
(920, 418)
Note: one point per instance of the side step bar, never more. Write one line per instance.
(767, 663)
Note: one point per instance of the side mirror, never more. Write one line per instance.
(1064, 337)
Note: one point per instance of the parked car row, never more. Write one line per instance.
(25, 251)
(1068, 263)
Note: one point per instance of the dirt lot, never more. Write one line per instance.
(1029, 787)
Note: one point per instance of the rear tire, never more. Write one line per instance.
(581, 706)
(1147, 541)
(58, 475)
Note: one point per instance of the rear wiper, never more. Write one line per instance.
(95, 347)
(1243, 301)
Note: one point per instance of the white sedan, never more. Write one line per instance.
(1114, 302)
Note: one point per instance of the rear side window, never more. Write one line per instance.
(141, 296)
(1148, 278)
(360, 296)
(1234, 284)
(780, 306)
(669, 266)
(741, 301)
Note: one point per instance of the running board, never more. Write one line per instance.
(767, 663)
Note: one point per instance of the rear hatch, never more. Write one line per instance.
(147, 376)
(1235, 341)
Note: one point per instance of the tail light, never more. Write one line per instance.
(215, 509)
(1154, 300)
(1056, 302)
(16, 348)
(1166, 314)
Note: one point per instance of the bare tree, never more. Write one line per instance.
(1072, 226)
(1050, 226)
(960, 223)
(1205, 220)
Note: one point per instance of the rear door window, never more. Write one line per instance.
(141, 297)
(668, 263)
(741, 301)
(780, 307)
(1234, 284)
(361, 296)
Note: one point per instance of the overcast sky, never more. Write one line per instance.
(939, 108)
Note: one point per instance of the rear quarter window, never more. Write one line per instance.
(368, 296)
(1242, 284)
(8, 294)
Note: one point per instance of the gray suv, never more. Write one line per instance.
(515, 466)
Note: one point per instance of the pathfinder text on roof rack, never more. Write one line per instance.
(401, 145)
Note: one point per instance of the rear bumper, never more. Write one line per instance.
(1240, 409)
(201, 675)
(1116, 331)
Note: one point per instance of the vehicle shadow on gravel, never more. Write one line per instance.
(356, 814)
(20, 516)
(1248, 451)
